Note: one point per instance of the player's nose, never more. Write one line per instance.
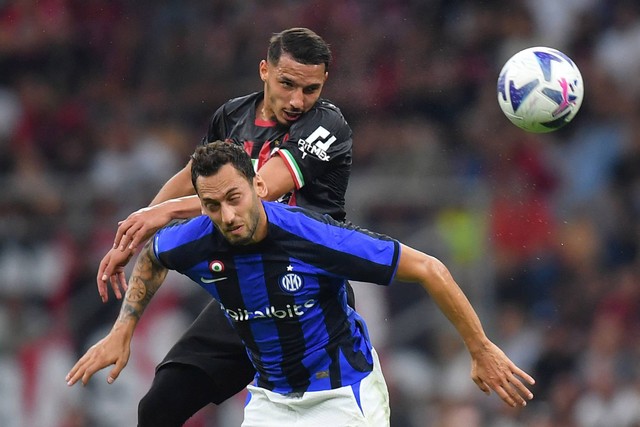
(227, 214)
(297, 99)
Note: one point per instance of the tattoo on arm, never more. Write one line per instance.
(145, 280)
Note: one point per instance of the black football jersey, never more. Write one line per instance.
(316, 148)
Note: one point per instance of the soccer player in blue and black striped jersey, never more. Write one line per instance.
(280, 274)
(302, 146)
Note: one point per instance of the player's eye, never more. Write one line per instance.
(212, 207)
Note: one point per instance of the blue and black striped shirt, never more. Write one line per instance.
(286, 295)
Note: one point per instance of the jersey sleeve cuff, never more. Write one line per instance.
(292, 165)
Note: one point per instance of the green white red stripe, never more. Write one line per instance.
(290, 161)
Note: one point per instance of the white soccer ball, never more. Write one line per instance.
(540, 89)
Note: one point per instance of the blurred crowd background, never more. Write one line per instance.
(101, 101)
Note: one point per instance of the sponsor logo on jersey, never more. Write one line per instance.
(290, 282)
(209, 281)
(290, 311)
(317, 144)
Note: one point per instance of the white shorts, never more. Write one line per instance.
(327, 408)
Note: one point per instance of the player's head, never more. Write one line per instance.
(294, 74)
(229, 191)
(302, 45)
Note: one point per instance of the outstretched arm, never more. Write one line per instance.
(491, 369)
(114, 349)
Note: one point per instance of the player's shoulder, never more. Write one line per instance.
(324, 113)
(240, 102)
(182, 231)
(317, 227)
(291, 217)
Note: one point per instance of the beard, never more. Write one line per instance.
(250, 225)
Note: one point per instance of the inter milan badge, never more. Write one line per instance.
(216, 266)
(291, 282)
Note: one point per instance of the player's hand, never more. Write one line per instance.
(114, 349)
(141, 225)
(111, 270)
(491, 369)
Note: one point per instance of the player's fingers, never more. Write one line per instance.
(115, 285)
(78, 369)
(122, 228)
(122, 280)
(504, 391)
(115, 372)
(129, 235)
(522, 374)
(107, 273)
(513, 389)
(137, 237)
(71, 375)
(89, 370)
(521, 389)
(518, 391)
(482, 385)
(101, 281)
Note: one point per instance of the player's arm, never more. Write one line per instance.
(277, 177)
(175, 200)
(114, 349)
(491, 368)
(177, 186)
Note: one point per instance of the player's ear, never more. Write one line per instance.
(260, 186)
(264, 70)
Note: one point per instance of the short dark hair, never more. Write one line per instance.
(208, 159)
(304, 46)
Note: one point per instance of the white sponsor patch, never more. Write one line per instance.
(317, 144)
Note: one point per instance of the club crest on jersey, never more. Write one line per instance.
(317, 144)
(291, 282)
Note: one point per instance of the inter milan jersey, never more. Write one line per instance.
(316, 148)
(286, 295)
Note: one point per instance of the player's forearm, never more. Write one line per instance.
(183, 207)
(177, 186)
(454, 304)
(145, 280)
(434, 276)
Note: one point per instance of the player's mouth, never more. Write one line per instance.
(234, 230)
(291, 116)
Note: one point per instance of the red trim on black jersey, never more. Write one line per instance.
(248, 147)
(265, 123)
(265, 154)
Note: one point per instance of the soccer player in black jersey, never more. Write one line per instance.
(280, 273)
(301, 144)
